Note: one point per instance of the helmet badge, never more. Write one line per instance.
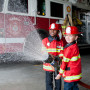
(68, 30)
(53, 26)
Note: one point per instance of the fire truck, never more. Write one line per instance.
(18, 16)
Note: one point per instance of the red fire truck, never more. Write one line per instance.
(18, 16)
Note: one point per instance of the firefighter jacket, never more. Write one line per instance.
(54, 47)
(70, 68)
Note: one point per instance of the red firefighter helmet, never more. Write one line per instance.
(72, 30)
(54, 26)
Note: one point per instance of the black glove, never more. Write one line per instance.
(57, 58)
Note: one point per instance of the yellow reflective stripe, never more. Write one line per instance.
(66, 59)
(54, 50)
(60, 55)
(75, 58)
(47, 67)
(63, 26)
(61, 71)
(72, 59)
(73, 77)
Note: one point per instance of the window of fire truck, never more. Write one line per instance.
(1, 5)
(56, 9)
(18, 6)
(41, 7)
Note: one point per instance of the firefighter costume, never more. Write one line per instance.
(70, 68)
(54, 46)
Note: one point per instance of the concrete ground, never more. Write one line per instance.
(25, 76)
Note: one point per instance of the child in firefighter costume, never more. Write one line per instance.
(70, 68)
(54, 46)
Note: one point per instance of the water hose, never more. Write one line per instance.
(84, 84)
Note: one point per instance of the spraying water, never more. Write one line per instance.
(32, 44)
(16, 28)
(33, 47)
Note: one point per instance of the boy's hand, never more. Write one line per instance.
(58, 77)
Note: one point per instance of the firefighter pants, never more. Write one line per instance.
(71, 86)
(49, 82)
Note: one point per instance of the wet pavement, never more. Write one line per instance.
(26, 76)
